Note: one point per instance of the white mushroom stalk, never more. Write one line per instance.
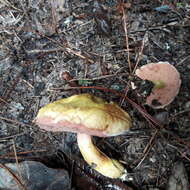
(158, 84)
(98, 160)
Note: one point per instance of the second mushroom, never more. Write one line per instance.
(88, 115)
(166, 80)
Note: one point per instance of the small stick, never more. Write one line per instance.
(126, 38)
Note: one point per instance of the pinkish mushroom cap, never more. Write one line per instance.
(84, 113)
(167, 83)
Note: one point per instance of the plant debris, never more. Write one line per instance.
(54, 49)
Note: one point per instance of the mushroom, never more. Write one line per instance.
(166, 80)
(88, 115)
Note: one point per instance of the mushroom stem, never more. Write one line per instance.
(97, 159)
(158, 84)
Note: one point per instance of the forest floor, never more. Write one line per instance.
(52, 49)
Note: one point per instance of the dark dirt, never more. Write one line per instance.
(50, 48)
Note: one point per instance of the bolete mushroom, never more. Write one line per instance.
(88, 115)
(166, 81)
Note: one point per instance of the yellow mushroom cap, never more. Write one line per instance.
(84, 113)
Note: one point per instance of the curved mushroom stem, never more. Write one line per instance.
(98, 160)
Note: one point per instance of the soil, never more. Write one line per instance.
(54, 49)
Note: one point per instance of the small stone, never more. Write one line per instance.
(35, 176)
(178, 179)
(187, 105)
